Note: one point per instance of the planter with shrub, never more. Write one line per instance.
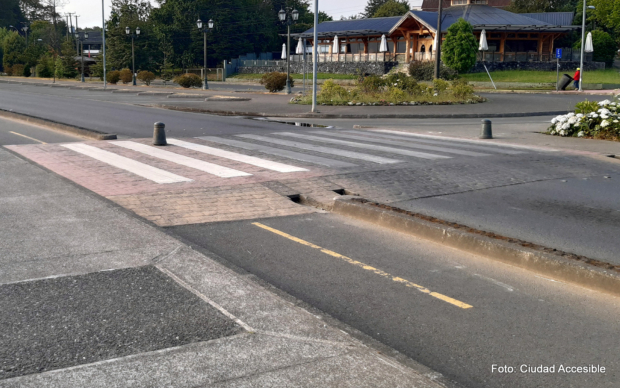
(113, 77)
(275, 81)
(189, 80)
(146, 76)
(126, 76)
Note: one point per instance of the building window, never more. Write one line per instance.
(323, 49)
(478, 2)
(459, 2)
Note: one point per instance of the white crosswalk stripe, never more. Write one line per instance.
(446, 142)
(278, 152)
(144, 170)
(217, 170)
(403, 144)
(472, 141)
(324, 150)
(373, 147)
(267, 164)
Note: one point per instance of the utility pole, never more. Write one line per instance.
(315, 53)
(105, 81)
(438, 45)
(77, 44)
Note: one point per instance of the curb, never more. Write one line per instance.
(353, 116)
(563, 266)
(90, 133)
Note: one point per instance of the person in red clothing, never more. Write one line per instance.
(577, 78)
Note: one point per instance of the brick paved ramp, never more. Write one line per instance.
(247, 176)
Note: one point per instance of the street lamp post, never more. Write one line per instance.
(583, 42)
(133, 54)
(25, 29)
(289, 17)
(207, 28)
(81, 41)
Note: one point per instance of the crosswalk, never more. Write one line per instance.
(248, 155)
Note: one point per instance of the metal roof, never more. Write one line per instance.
(433, 5)
(486, 17)
(94, 37)
(354, 27)
(555, 18)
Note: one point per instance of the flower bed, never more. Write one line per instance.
(591, 119)
(396, 89)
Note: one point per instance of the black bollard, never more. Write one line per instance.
(159, 134)
(487, 130)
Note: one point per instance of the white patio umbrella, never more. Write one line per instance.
(383, 47)
(299, 49)
(436, 42)
(283, 50)
(336, 48)
(484, 46)
(589, 46)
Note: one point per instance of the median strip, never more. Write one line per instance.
(359, 264)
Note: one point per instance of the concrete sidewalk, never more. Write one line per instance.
(92, 296)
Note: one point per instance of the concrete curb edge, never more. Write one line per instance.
(353, 116)
(75, 130)
(558, 265)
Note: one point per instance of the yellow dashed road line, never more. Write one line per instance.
(27, 137)
(379, 272)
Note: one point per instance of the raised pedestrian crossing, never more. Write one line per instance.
(278, 155)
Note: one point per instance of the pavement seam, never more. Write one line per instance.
(206, 299)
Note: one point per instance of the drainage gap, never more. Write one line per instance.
(295, 198)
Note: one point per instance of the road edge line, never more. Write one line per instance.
(71, 129)
(558, 265)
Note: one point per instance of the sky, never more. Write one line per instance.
(89, 11)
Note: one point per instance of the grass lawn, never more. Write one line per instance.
(297, 76)
(607, 76)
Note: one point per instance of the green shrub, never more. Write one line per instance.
(372, 84)
(8, 70)
(27, 71)
(425, 71)
(605, 48)
(331, 90)
(460, 47)
(113, 77)
(126, 76)
(440, 85)
(188, 80)
(397, 95)
(275, 81)
(146, 76)
(17, 70)
(404, 82)
(461, 89)
(587, 107)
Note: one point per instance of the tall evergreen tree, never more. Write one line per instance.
(459, 49)
(373, 6)
(10, 13)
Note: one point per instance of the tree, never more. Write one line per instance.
(13, 47)
(391, 8)
(460, 47)
(10, 13)
(373, 6)
(605, 47)
(534, 6)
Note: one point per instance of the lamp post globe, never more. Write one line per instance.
(282, 15)
(127, 30)
(295, 15)
(199, 24)
(137, 30)
(86, 35)
(210, 23)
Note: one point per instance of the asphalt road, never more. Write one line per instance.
(17, 132)
(118, 114)
(579, 215)
(516, 318)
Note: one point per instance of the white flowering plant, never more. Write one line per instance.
(591, 119)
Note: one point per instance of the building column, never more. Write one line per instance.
(407, 47)
(502, 46)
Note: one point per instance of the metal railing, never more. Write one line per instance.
(568, 55)
(216, 74)
(322, 58)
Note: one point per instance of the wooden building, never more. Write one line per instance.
(412, 37)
